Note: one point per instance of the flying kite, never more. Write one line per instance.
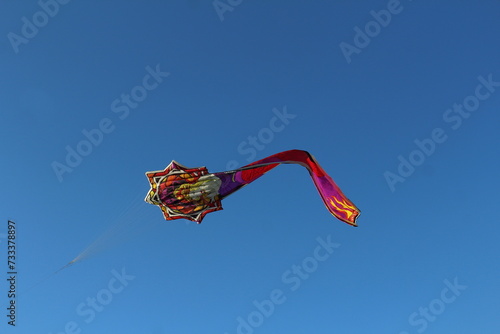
(191, 193)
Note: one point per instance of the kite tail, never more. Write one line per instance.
(333, 198)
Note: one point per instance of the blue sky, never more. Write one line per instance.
(398, 101)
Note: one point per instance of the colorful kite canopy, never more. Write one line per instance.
(191, 193)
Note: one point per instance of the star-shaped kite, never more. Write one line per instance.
(191, 193)
(183, 192)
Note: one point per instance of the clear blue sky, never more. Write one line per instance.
(425, 255)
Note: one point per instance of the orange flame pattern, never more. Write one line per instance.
(346, 208)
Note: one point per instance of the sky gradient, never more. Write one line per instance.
(397, 100)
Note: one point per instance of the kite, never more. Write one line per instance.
(191, 193)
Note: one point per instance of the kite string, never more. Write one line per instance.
(120, 223)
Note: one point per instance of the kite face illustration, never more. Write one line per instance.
(191, 193)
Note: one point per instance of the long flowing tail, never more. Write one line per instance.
(333, 198)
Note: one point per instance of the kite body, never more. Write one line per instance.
(191, 193)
